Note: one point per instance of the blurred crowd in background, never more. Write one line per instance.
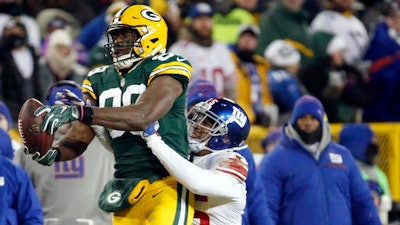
(264, 54)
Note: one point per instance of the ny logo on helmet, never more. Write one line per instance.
(238, 117)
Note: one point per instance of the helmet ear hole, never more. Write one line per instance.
(226, 139)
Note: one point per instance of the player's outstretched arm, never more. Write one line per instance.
(152, 105)
(197, 180)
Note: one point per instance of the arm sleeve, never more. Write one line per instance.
(198, 180)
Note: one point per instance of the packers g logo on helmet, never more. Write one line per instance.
(135, 32)
(150, 15)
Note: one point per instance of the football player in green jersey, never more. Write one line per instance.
(143, 85)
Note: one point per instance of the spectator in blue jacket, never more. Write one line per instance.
(20, 204)
(361, 141)
(311, 179)
(384, 55)
(255, 212)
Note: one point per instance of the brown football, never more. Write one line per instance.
(29, 128)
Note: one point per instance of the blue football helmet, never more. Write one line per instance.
(218, 124)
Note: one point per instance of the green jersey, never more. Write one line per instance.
(110, 89)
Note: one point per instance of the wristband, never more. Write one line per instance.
(86, 114)
(58, 156)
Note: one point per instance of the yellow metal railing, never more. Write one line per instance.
(388, 135)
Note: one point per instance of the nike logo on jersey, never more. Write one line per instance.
(179, 59)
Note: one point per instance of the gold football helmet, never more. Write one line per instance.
(135, 32)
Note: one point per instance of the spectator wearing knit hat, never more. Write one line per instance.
(60, 61)
(51, 19)
(283, 84)
(311, 179)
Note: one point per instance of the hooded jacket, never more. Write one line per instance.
(315, 187)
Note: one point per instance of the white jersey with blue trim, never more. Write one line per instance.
(217, 180)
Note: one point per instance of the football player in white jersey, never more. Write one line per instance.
(217, 127)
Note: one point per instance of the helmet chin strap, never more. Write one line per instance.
(196, 146)
(125, 61)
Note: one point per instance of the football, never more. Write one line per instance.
(29, 128)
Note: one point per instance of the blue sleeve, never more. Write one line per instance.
(90, 34)
(28, 207)
(3, 192)
(364, 211)
(271, 180)
(256, 211)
